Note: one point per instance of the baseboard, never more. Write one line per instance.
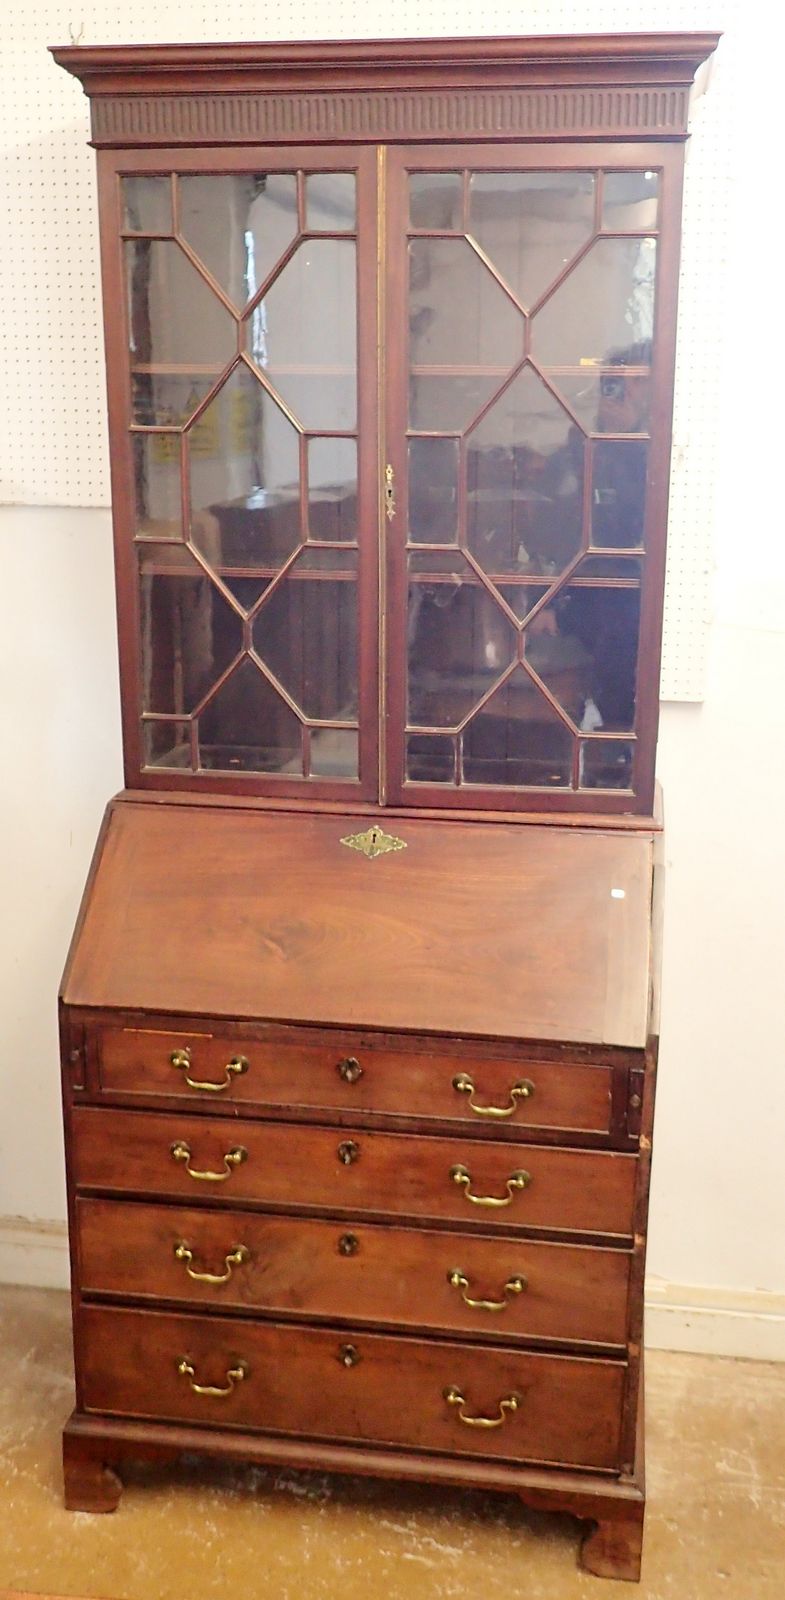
(34, 1254)
(749, 1323)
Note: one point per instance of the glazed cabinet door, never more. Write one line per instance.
(240, 288)
(530, 321)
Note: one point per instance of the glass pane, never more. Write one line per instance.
(604, 307)
(303, 334)
(239, 225)
(615, 401)
(618, 495)
(459, 318)
(244, 469)
(335, 753)
(584, 646)
(518, 739)
(605, 764)
(166, 401)
(629, 201)
(430, 758)
(525, 467)
(530, 224)
(433, 491)
(156, 463)
(247, 727)
(332, 489)
(436, 200)
(617, 566)
(330, 202)
(177, 324)
(306, 633)
(166, 744)
(460, 641)
(147, 205)
(189, 632)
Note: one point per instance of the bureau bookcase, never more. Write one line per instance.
(359, 1021)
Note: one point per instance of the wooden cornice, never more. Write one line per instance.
(541, 87)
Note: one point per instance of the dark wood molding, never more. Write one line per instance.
(390, 115)
(410, 89)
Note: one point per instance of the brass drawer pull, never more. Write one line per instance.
(181, 1151)
(234, 1376)
(235, 1257)
(182, 1059)
(460, 1281)
(349, 1069)
(522, 1090)
(516, 1180)
(510, 1403)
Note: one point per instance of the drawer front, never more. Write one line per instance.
(356, 1387)
(478, 1091)
(275, 1164)
(362, 1273)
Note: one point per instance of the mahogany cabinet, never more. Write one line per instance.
(359, 1022)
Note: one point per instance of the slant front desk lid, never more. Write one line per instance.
(510, 931)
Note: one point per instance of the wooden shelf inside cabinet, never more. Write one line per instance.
(359, 1023)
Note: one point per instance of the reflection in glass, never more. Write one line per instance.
(335, 753)
(189, 632)
(629, 201)
(247, 727)
(605, 305)
(332, 489)
(616, 566)
(583, 644)
(517, 739)
(530, 224)
(303, 334)
(156, 465)
(244, 467)
(306, 633)
(330, 203)
(460, 642)
(618, 493)
(459, 317)
(147, 204)
(433, 491)
(175, 322)
(430, 758)
(616, 400)
(605, 764)
(436, 199)
(239, 225)
(525, 482)
(166, 743)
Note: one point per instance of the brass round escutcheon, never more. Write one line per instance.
(348, 1244)
(348, 1152)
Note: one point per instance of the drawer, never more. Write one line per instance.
(348, 1074)
(285, 1165)
(363, 1273)
(357, 1387)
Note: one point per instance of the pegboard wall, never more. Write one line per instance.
(53, 448)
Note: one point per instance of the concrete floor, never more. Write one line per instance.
(715, 1528)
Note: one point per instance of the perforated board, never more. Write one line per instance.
(53, 448)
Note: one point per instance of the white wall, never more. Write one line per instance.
(717, 1258)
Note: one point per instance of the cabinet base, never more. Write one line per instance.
(94, 1449)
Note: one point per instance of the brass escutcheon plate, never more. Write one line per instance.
(373, 842)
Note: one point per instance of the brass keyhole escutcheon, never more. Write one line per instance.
(348, 1244)
(348, 1355)
(349, 1069)
(348, 1152)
